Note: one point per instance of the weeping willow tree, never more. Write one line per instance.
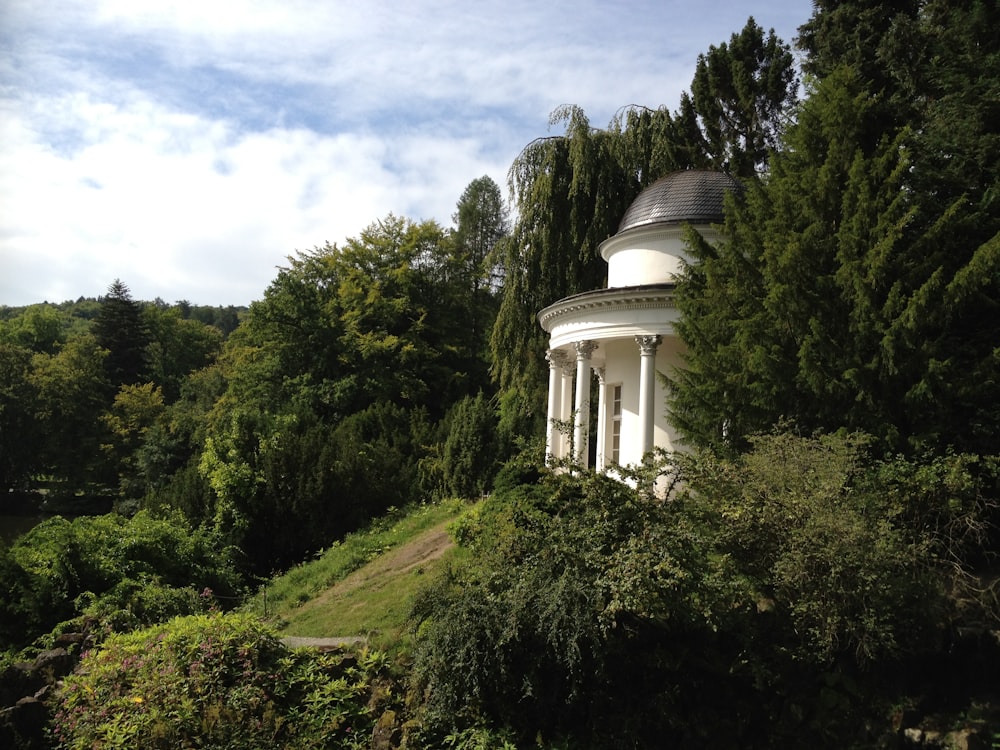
(571, 191)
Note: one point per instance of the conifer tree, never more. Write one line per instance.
(119, 328)
(855, 289)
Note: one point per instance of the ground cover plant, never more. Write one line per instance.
(126, 572)
(220, 681)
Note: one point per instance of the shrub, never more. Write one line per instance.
(469, 459)
(60, 567)
(219, 681)
(758, 604)
(553, 630)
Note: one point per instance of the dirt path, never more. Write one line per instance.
(400, 560)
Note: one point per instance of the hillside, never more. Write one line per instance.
(364, 586)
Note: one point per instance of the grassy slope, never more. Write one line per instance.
(363, 585)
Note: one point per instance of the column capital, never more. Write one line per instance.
(599, 371)
(557, 358)
(648, 344)
(584, 349)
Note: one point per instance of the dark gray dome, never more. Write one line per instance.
(694, 196)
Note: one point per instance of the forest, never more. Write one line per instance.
(823, 569)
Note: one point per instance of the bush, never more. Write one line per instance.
(553, 630)
(61, 567)
(470, 451)
(220, 682)
(762, 602)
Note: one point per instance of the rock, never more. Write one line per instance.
(913, 736)
(69, 639)
(16, 681)
(29, 716)
(387, 733)
(53, 664)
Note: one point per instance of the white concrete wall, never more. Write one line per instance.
(648, 255)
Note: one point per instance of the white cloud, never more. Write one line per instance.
(167, 201)
(188, 147)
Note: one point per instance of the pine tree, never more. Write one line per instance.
(857, 290)
(119, 328)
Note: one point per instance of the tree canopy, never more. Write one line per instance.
(854, 289)
(572, 190)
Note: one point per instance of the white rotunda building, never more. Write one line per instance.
(624, 334)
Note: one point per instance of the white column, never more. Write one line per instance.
(647, 389)
(602, 417)
(581, 419)
(557, 362)
(565, 408)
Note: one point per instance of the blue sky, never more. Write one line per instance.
(188, 147)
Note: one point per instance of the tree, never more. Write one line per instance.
(353, 352)
(765, 600)
(557, 183)
(177, 347)
(482, 223)
(119, 328)
(40, 328)
(572, 190)
(136, 409)
(742, 92)
(72, 390)
(851, 293)
(385, 317)
(19, 434)
(470, 452)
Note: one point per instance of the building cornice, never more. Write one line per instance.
(644, 297)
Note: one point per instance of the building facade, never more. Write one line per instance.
(624, 334)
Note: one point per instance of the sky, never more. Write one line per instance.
(189, 147)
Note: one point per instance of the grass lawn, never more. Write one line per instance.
(365, 584)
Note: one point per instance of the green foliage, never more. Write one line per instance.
(72, 391)
(761, 602)
(470, 451)
(287, 486)
(380, 319)
(40, 328)
(167, 460)
(135, 410)
(572, 190)
(19, 434)
(219, 681)
(177, 347)
(335, 384)
(482, 223)
(741, 92)
(120, 329)
(844, 296)
(61, 568)
(819, 547)
(532, 634)
(69, 407)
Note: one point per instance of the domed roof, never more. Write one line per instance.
(693, 195)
